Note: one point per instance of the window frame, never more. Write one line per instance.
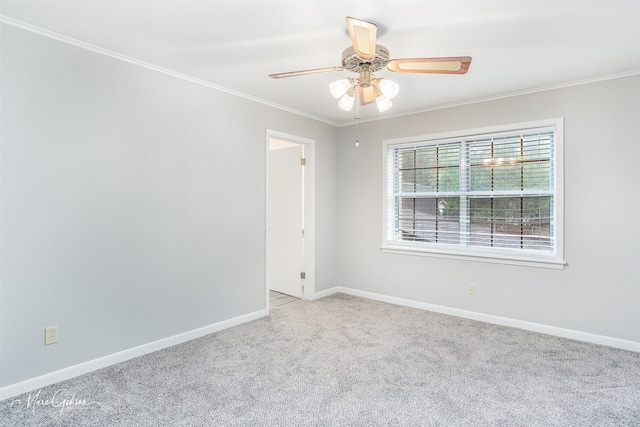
(554, 260)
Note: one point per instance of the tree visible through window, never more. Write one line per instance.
(493, 193)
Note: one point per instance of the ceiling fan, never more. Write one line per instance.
(366, 57)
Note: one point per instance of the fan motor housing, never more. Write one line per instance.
(352, 62)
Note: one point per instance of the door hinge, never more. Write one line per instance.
(303, 275)
(303, 232)
(303, 162)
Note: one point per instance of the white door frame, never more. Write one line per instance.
(309, 212)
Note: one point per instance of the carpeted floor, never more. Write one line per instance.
(344, 360)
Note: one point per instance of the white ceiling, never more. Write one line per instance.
(517, 46)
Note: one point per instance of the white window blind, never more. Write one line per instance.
(489, 193)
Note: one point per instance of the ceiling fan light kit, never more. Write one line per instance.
(383, 103)
(365, 57)
(340, 87)
(388, 88)
(347, 100)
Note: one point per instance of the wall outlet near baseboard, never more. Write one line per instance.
(472, 288)
(50, 335)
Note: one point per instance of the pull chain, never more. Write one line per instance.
(357, 123)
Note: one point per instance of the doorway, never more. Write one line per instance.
(289, 216)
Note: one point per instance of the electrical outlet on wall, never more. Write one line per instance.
(50, 335)
(472, 288)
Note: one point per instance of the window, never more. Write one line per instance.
(491, 194)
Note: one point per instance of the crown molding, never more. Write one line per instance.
(121, 57)
(147, 65)
(502, 96)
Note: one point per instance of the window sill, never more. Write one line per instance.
(476, 257)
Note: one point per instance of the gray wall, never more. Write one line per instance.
(598, 292)
(133, 204)
(133, 208)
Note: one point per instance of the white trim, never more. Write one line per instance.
(309, 210)
(496, 320)
(90, 366)
(121, 356)
(96, 49)
(327, 292)
(476, 257)
(559, 189)
(483, 131)
(118, 56)
(572, 83)
(466, 253)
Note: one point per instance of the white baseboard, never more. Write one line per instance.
(504, 321)
(327, 292)
(102, 362)
(111, 359)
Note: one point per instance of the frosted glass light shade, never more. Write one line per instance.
(339, 87)
(346, 102)
(388, 88)
(383, 103)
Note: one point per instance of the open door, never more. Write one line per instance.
(288, 252)
(285, 213)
